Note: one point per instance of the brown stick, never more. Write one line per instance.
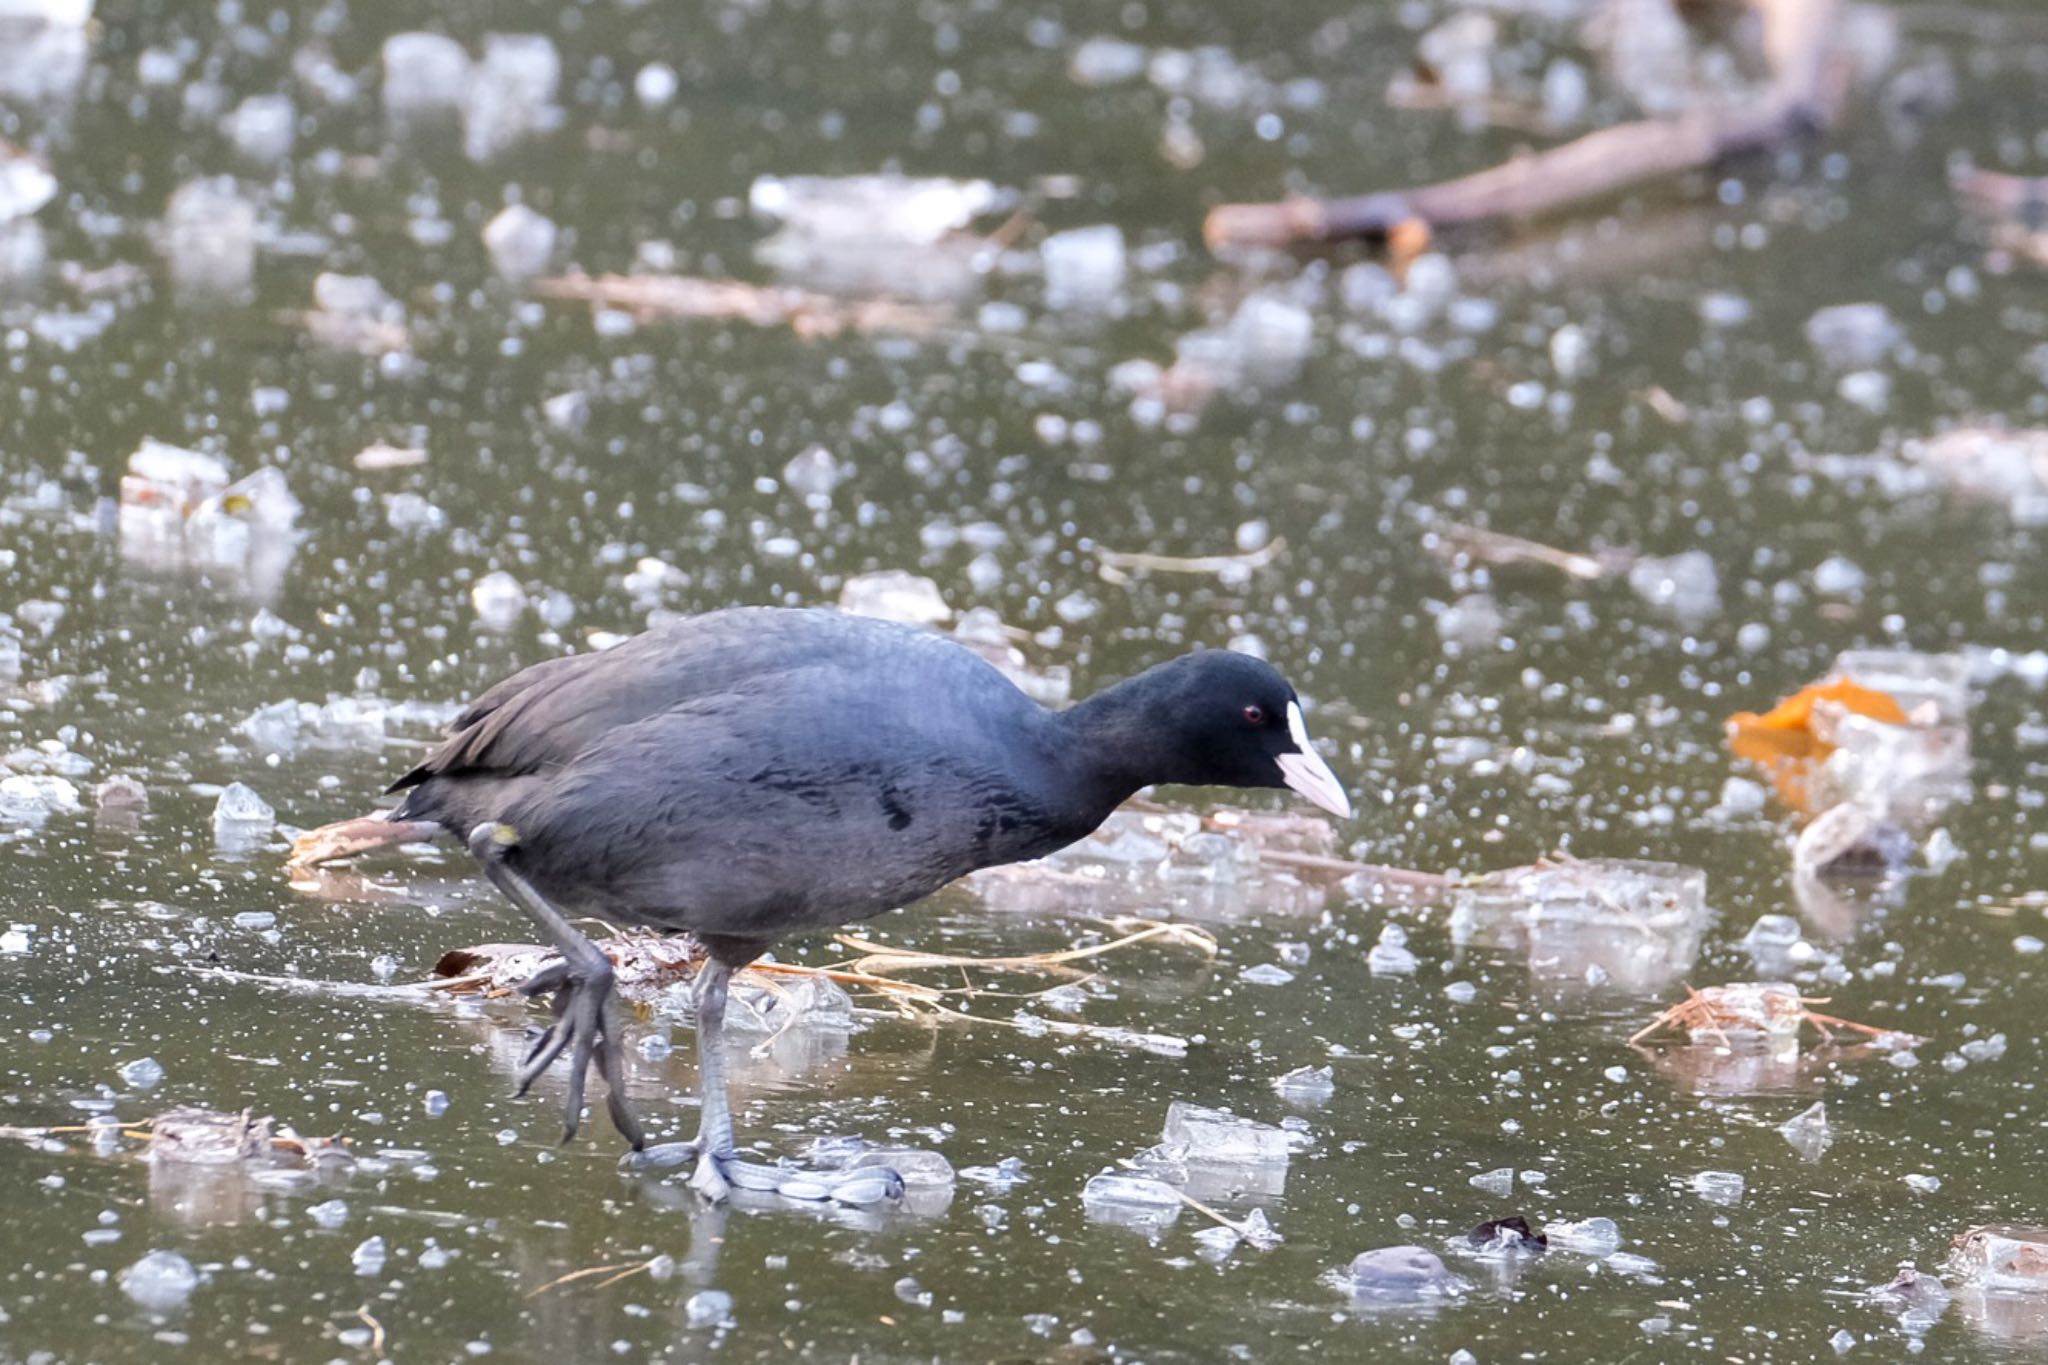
(347, 838)
(1802, 99)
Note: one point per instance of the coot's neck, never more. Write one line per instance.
(1115, 742)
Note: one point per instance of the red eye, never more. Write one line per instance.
(1254, 715)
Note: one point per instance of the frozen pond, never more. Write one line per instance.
(236, 239)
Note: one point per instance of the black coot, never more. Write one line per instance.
(757, 772)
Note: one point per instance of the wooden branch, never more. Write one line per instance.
(1802, 99)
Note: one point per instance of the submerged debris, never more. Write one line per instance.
(1999, 1257)
(179, 511)
(655, 974)
(807, 313)
(1766, 1012)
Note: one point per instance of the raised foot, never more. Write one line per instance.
(587, 1028)
(716, 1177)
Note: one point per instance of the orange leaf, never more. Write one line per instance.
(1782, 739)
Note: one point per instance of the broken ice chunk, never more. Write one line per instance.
(424, 75)
(160, 1282)
(25, 185)
(1391, 955)
(209, 240)
(1776, 945)
(1308, 1085)
(1269, 338)
(32, 798)
(1402, 1275)
(1940, 683)
(1808, 1131)
(166, 477)
(1719, 1187)
(874, 207)
(510, 93)
(1633, 923)
(1590, 1236)
(262, 127)
(241, 818)
(1851, 839)
(1500, 1182)
(1084, 267)
(1131, 1200)
(1917, 1299)
(520, 241)
(499, 600)
(1686, 585)
(1853, 336)
(1212, 1136)
(895, 595)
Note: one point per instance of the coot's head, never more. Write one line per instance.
(1219, 718)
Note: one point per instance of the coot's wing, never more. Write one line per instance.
(827, 793)
(544, 716)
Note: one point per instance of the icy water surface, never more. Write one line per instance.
(1653, 381)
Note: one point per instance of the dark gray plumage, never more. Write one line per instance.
(752, 773)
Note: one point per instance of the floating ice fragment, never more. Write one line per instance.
(1851, 839)
(890, 208)
(1839, 576)
(1211, 1136)
(25, 185)
(1686, 585)
(814, 473)
(1719, 1187)
(1106, 61)
(160, 1282)
(240, 816)
(1853, 336)
(1131, 1200)
(510, 93)
(1269, 338)
(1500, 1182)
(1808, 1131)
(499, 600)
(655, 85)
(1084, 267)
(1639, 923)
(1842, 1341)
(1402, 1274)
(1217, 1242)
(330, 1214)
(262, 127)
(1921, 1182)
(708, 1308)
(1591, 1236)
(1310, 1085)
(32, 798)
(895, 595)
(424, 74)
(521, 242)
(369, 1257)
(1266, 974)
(144, 1073)
(209, 240)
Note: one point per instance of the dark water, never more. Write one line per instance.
(1590, 722)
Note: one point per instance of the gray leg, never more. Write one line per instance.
(719, 1168)
(586, 1011)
